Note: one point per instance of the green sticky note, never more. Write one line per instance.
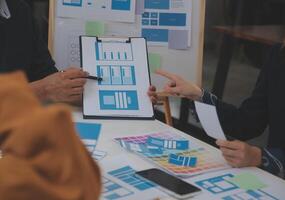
(247, 181)
(154, 60)
(94, 28)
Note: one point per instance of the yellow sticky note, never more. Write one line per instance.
(247, 181)
(94, 28)
(154, 60)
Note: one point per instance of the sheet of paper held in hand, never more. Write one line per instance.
(122, 64)
(209, 119)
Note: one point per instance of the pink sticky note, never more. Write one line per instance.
(139, 7)
(178, 39)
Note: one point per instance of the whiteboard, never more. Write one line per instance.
(64, 40)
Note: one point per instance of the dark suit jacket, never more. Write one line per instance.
(265, 107)
(21, 47)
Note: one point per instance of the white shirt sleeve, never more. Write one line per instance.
(4, 10)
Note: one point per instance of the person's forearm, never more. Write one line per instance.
(256, 155)
(38, 88)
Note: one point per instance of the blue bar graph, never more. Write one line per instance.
(113, 51)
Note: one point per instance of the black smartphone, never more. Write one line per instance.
(170, 184)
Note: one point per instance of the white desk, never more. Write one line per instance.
(118, 128)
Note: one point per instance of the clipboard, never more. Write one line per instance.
(122, 63)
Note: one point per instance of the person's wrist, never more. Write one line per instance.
(256, 156)
(195, 95)
(198, 94)
(38, 88)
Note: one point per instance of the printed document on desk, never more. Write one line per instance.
(120, 181)
(123, 65)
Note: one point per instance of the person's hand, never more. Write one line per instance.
(240, 154)
(152, 94)
(65, 86)
(177, 86)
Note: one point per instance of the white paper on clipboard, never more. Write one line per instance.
(123, 65)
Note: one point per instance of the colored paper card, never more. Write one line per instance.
(182, 160)
(94, 28)
(99, 155)
(210, 121)
(168, 144)
(132, 146)
(89, 134)
(139, 7)
(154, 150)
(141, 148)
(154, 61)
(208, 160)
(178, 39)
(247, 181)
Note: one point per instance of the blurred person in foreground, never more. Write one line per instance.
(42, 156)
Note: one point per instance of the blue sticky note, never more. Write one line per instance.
(168, 144)
(157, 4)
(175, 160)
(88, 130)
(155, 142)
(154, 15)
(193, 162)
(155, 35)
(72, 3)
(145, 15)
(124, 5)
(154, 150)
(182, 145)
(172, 19)
(182, 160)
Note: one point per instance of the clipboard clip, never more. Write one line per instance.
(113, 39)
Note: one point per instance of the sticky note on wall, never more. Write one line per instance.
(94, 28)
(154, 60)
(139, 7)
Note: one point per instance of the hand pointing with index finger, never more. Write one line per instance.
(178, 86)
